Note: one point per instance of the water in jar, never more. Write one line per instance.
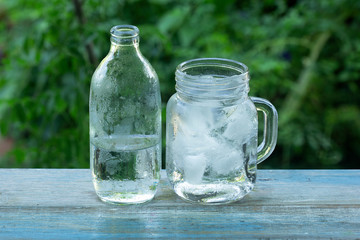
(211, 149)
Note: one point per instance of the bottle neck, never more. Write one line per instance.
(124, 37)
(212, 79)
(117, 49)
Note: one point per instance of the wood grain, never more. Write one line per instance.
(285, 204)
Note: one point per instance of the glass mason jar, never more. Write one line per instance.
(212, 132)
(125, 122)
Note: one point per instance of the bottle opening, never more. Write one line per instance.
(124, 34)
(124, 31)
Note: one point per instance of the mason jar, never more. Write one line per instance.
(212, 147)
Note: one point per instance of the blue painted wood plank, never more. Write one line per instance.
(288, 204)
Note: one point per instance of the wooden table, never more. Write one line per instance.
(286, 204)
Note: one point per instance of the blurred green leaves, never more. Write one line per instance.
(48, 54)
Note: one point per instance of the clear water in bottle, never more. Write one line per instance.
(125, 169)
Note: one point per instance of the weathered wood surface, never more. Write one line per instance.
(286, 204)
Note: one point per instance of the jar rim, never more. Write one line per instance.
(241, 68)
(124, 31)
(212, 78)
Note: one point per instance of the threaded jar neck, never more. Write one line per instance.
(124, 35)
(212, 79)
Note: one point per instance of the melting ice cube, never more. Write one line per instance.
(194, 168)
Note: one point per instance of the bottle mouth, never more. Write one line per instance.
(124, 31)
(215, 78)
(124, 34)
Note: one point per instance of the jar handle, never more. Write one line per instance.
(268, 143)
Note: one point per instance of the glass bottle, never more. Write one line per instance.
(212, 132)
(125, 122)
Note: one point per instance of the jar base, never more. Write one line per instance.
(212, 194)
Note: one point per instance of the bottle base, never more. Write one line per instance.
(125, 198)
(212, 194)
(126, 191)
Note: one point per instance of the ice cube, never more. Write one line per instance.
(194, 168)
(196, 121)
(208, 137)
(225, 159)
(190, 144)
(239, 125)
(188, 154)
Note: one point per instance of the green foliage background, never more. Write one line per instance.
(304, 56)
